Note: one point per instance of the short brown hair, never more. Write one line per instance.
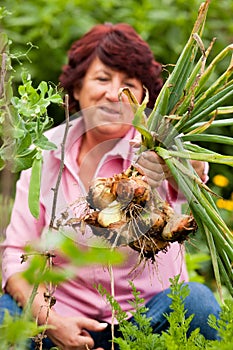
(117, 46)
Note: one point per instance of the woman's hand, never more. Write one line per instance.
(71, 333)
(153, 167)
(201, 169)
(156, 171)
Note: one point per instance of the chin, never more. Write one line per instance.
(114, 129)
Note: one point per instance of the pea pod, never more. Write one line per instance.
(34, 186)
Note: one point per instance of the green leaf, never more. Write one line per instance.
(206, 214)
(15, 330)
(22, 163)
(43, 87)
(100, 255)
(147, 139)
(201, 85)
(18, 133)
(21, 90)
(27, 153)
(34, 186)
(208, 157)
(34, 98)
(56, 98)
(160, 108)
(26, 77)
(44, 143)
(208, 138)
(215, 123)
(197, 149)
(24, 145)
(208, 107)
(37, 274)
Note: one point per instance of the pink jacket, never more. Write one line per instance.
(79, 296)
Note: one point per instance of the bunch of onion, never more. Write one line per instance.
(188, 104)
(125, 210)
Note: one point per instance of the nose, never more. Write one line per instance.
(112, 95)
(112, 91)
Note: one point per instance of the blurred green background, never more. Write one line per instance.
(52, 25)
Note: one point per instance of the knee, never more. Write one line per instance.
(201, 299)
(9, 304)
(201, 303)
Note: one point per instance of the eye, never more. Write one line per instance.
(102, 78)
(130, 84)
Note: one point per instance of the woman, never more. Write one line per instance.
(104, 60)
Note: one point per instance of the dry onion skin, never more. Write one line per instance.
(124, 210)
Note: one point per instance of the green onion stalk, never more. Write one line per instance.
(189, 104)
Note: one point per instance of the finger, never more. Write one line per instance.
(153, 157)
(151, 174)
(84, 339)
(145, 161)
(91, 325)
(136, 141)
(134, 144)
(150, 170)
(154, 183)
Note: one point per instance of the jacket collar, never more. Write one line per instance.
(74, 136)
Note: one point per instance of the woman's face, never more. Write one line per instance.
(99, 100)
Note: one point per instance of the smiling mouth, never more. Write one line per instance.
(110, 111)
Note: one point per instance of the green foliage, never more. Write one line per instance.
(140, 336)
(24, 118)
(224, 326)
(52, 26)
(23, 121)
(100, 255)
(15, 331)
(58, 243)
(176, 336)
(33, 102)
(134, 336)
(194, 263)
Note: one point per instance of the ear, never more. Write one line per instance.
(76, 93)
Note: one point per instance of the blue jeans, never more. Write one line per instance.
(200, 302)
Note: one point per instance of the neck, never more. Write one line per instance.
(89, 157)
(94, 147)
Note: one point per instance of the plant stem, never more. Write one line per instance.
(53, 215)
(113, 295)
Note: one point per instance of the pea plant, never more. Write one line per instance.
(23, 121)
